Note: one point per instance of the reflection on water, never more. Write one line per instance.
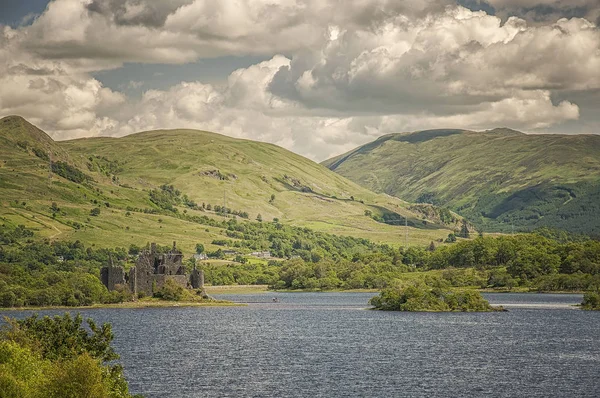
(327, 345)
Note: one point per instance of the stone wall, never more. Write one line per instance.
(112, 277)
(197, 278)
(151, 271)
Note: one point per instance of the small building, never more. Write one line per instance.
(261, 254)
(200, 257)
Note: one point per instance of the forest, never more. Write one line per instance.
(36, 272)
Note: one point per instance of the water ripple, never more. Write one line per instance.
(325, 345)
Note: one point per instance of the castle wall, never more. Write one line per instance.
(111, 277)
(151, 272)
(104, 276)
(144, 272)
(133, 288)
(197, 279)
(144, 280)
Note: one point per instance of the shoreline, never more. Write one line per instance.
(132, 305)
(235, 289)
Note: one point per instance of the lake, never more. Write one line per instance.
(328, 345)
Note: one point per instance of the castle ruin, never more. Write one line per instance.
(151, 271)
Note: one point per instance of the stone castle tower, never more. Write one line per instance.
(151, 271)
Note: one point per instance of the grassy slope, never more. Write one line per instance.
(181, 157)
(494, 178)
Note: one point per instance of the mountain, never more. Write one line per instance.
(147, 186)
(498, 179)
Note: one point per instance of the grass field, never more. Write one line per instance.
(248, 176)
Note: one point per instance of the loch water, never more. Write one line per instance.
(328, 345)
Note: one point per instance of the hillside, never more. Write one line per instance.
(497, 179)
(147, 186)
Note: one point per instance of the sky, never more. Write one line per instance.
(318, 77)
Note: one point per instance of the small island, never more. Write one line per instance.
(591, 301)
(431, 297)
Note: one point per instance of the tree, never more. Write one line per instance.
(134, 250)
(64, 337)
(199, 248)
(58, 357)
(95, 211)
(259, 217)
(217, 254)
(241, 259)
(591, 300)
(272, 198)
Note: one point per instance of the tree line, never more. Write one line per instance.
(36, 272)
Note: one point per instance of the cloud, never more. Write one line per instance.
(133, 85)
(336, 77)
(136, 12)
(547, 10)
(180, 31)
(448, 63)
(246, 108)
(66, 106)
(63, 100)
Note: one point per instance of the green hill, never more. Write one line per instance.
(497, 179)
(146, 186)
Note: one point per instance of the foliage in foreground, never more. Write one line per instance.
(432, 296)
(58, 357)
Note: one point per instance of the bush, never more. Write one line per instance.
(57, 357)
(434, 296)
(171, 291)
(591, 301)
(69, 172)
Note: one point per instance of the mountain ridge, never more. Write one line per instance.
(125, 176)
(496, 178)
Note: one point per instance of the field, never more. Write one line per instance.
(117, 175)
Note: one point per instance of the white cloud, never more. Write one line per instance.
(457, 59)
(350, 72)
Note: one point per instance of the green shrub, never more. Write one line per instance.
(430, 297)
(591, 301)
(57, 357)
(172, 291)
